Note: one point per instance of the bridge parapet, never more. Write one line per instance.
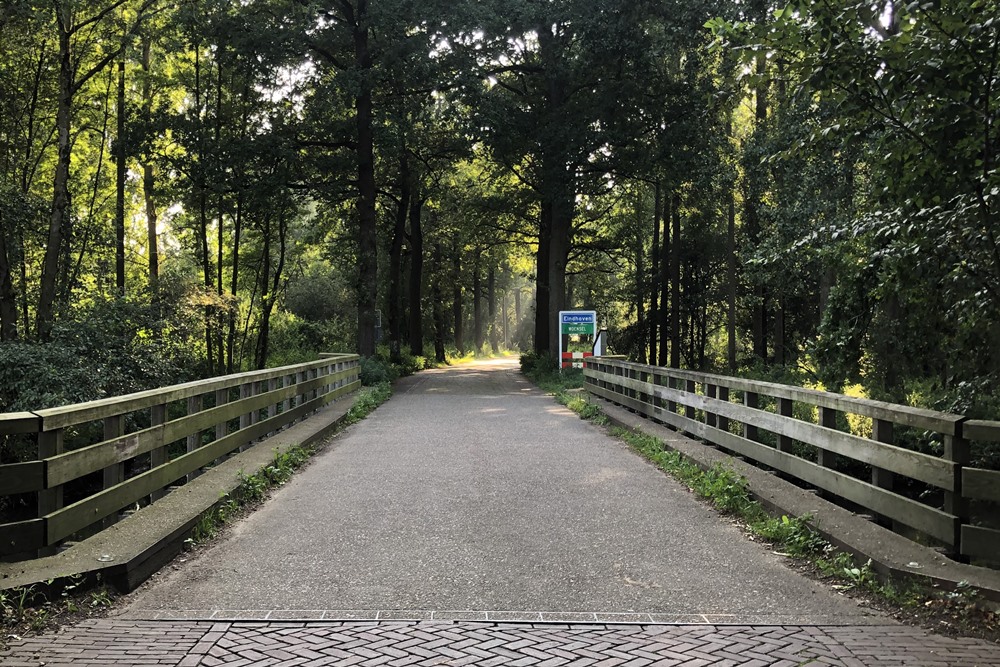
(805, 434)
(142, 444)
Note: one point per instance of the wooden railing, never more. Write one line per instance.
(148, 442)
(805, 434)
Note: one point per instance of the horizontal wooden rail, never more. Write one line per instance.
(191, 426)
(701, 404)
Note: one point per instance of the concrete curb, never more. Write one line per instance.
(148, 539)
(892, 556)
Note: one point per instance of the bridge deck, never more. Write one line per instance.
(471, 496)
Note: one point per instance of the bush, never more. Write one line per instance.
(376, 370)
(533, 363)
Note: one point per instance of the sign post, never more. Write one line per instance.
(576, 323)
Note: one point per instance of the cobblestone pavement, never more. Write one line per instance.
(399, 643)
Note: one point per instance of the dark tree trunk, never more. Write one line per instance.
(665, 283)
(8, 300)
(367, 232)
(542, 289)
(456, 304)
(754, 199)
(395, 263)
(491, 297)
(731, 285)
(149, 180)
(639, 290)
(675, 285)
(120, 154)
(477, 305)
(438, 306)
(45, 314)
(234, 283)
(416, 276)
(654, 273)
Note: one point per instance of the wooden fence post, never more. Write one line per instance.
(956, 450)
(690, 388)
(50, 443)
(193, 441)
(884, 479)
(785, 408)
(158, 456)
(751, 400)
(711, 391)
(722, 423)
(114, 474)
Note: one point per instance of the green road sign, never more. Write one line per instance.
(570, 329)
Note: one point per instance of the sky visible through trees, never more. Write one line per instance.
(804, 191)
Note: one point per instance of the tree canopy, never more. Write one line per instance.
(804, 190)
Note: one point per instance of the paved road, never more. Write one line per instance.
(508, 532)
(472, 491)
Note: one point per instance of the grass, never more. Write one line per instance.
(791, 536)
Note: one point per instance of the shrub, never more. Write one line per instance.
(376, 370)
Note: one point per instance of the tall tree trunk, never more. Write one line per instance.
(395, 262)
(654, 273)
(45, 313)
(491, 298)
(120, 154)
(731, 284)
(456, 304)
(438, 306)
(559, 246)
(675, 285)
(542, 288)
(8, 300)
(416, 276)
(234, 279)
(639, 291)
(149, 179)
(367, 232)
(477, 304)
(201, 186)
(754, 199)
(666, 283)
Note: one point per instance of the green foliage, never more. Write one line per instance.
(376, 370)
(367, 400)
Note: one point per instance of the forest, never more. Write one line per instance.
(798, 190)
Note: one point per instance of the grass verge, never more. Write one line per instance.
(951, 612)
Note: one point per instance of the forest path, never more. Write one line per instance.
(472, 493)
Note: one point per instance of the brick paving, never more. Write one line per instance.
(457, 643)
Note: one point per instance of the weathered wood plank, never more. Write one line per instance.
(65, 522)
(83, 461)
(54, 418)
(912, 464)
(981, 484)
(25, 477)
(916, 515)
(982, 430)
(941, 422)
(22, 536)
(16, 423)
(981, 542)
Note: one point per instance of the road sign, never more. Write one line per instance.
(575, 323)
